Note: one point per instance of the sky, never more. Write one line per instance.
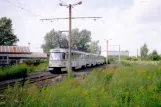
(128, 23)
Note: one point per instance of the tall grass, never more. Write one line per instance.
(21, 70)
(13, 72)
(124, 86)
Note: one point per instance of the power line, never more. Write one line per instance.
(21, 8)
(95, 18)
(83, 14)
(70, 6)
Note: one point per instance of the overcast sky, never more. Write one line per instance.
(129, 23)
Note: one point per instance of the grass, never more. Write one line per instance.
(136, 85)
(20, 70)
(13, 72)
(126, 62)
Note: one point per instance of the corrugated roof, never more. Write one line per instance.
(14, 49)
(31, 55)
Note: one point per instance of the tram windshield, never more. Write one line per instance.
(57, 56)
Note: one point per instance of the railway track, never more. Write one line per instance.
(43, 76)
(4, 85)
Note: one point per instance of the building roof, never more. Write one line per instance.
(14, 49)
(31, 55)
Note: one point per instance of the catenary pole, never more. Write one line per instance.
(70, 6)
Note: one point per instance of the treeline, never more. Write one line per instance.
(7, 36)
(80, 40)
(145, 55)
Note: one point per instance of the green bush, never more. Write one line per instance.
(134, 58)
(20, 70)
(43, 67)
(111, 61)
(126, 58)
(13, 72)
(154, 56)
(32, 61)
(126, 63)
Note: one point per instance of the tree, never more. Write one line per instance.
(54, 39)
(144, 51)
(154, 56)
(6, 32)
(80, 39)
(94, 47)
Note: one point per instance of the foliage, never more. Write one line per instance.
(154, 56)
(130, 58)
(94, 47)
(80, 39)
(13, 72)
(134, 58)
(43, 67)
(123, 86)
(126, 58)
(54, 39)
(32, 61)
(6, 32)
(20, 70)
(130, 63)
(111, 60)
(144, 51)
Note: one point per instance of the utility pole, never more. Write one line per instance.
(100, 50)
(70, 30)
(137, 52)
(29, 45)
(119, 53)
(107, 54)
(70, 6)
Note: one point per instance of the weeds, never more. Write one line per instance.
(20, 70)
(124, 86)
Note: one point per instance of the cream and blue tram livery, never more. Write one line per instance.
(58, 60)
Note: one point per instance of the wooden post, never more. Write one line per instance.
(107, 54)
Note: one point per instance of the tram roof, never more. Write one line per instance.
(66, 50)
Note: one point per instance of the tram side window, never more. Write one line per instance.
(66, 56)
(72, 55)
(63, 55)
(81, 56)
(5, 57)
(76, 55)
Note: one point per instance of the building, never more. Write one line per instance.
(14, 54)
(116, 53)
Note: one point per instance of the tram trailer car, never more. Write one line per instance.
(58, 60)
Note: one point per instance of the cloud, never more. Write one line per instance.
(130, 27)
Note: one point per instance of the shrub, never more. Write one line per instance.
(13, 72)
(32, 61)
(111, 61)
(126, 63)
(154, 56)
(134, 58)
(43, 67)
